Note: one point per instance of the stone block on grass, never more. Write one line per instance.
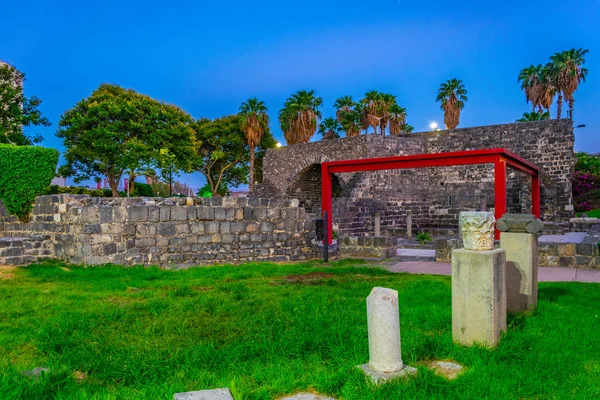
(212, 394)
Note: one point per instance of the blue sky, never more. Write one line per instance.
(208, 57)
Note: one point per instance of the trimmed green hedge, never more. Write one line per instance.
(25, 172)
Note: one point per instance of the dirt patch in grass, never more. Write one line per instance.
(7, 272)
(79, 376)
(312, 278)
(203, 288)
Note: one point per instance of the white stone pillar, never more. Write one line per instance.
(384, 330)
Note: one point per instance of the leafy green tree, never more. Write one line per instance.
(117, 130)
(452, 95)
(585, 162)
(299, 116)
(534, 116)
(330, 128)
(255, 122)
(16, 110)
(567, 69)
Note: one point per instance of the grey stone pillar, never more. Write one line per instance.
(478, 283)
(519, 238)
(377, 223)
(409, 224)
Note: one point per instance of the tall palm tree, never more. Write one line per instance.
(569, 73)
(531, 83)
(397, 119)
(347, 115)
(452, 95)
(330, 128)
(547, 88)
(386, 101)
(255, 122)
(534, 116)
(371, 110)
(299, 116)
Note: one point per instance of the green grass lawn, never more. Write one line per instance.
(145, 333)
(592, 213)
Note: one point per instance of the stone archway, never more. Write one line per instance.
(306, 187)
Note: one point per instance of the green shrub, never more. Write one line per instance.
(97, 193)
(423, 237)
(25, 172)
(587, 163)
(143, 190)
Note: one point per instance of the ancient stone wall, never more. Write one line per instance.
(80, 229)
(435, 196)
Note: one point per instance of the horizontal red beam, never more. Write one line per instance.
(450, 158)
(413, 163)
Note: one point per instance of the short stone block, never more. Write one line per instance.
(478, 296)
(212, 394)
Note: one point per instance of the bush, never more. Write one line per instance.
(423, 237)
(587, 163)
(584, 182)
(142, 189)
(25, 172)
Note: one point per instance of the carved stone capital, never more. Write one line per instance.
(520, 223)
(477, 229)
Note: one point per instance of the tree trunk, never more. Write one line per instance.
(559, 105)
(131, 183)
(114, 186)
(251, 185)
(571, 101)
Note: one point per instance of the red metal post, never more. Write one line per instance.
(326, 201)
(500, 189)
(535, 195)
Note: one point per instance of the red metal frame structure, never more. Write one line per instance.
(499, 157)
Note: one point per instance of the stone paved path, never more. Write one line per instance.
(545, 274)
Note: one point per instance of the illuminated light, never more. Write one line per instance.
(433, 126)
(278, 144)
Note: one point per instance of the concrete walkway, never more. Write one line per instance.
(545, 274)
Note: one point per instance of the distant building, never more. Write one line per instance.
(59, 181)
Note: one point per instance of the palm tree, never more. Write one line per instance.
(452, 95)
(531, 83)
(371, 110)
(534, 116)
(347, 115)
(386, 102)
(330, 128)
(568, 71)
(547, 88)
(299, 116)
(255, 122)
(397, 119)
(406, 128)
